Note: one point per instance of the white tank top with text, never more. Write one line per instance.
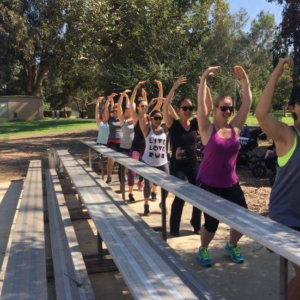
(155, 153)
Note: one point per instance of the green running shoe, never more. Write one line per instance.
(204, 257)
(234, 253)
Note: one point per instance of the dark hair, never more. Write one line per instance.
(155, 112)
(181, 100)
(295, 98)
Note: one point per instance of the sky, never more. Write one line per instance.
(253, 8)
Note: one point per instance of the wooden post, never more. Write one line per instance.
(283, 278)
(100, 246)
(163, 215)
(122, 181)
(54, 161)
(90, 158)
(102, 167)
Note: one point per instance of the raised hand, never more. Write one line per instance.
(99, 99)
(125, 92)
(209, 72)
(158, 82)
(113, 95)
(280, 66)
(180, 81)
(144, 93)
(239, 73)
(140, 83)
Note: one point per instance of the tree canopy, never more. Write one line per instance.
(75, 50)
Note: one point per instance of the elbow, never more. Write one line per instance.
(260, 115)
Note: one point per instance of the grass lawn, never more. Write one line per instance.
(251, 120)
(43, 127)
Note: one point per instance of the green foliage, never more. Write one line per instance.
(77, 50)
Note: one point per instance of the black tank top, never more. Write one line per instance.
(138, 142)
(186, 140)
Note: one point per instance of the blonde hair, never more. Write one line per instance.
(220, 98)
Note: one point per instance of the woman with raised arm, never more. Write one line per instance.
(217, 172)
(138, 143)
(155, 154)
(183, 162)
(126, 123)
(103, 131)
(284, 200)
(127, 127)
(115, 133)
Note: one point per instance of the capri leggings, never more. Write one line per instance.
(136, 154)
(147, 187)
(233, 194)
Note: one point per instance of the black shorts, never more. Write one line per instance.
(114, 146)
(125, 151)
(233, 194)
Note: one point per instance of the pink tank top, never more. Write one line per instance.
(218, 167)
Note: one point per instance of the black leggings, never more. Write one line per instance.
(183, 170)
(233, 194)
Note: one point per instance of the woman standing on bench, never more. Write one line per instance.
(155, 154)
(284, 200)
(103, 131)
(217, 172)
(183, 162)
(115, 133)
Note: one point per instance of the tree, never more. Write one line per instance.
(289, 35)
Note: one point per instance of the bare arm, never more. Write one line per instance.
(239, 120)
(133, 113)
(159, 102)
(160, 88)
(172, 112)
(204, 124)
(208, 100)
(168, 118)
(106, 110)
(282, 135)
(97, 115)
(144, 123)
(120, 110)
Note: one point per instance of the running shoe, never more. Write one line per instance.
(234, 253)
(146, 210)
(131, 198)
(204, 257)
(153, 196)
(108, 179)
(140, 186)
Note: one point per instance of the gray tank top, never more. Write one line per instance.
(128, 135)
(115, 132)
(285, 195)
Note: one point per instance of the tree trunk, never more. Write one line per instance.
(39, 82)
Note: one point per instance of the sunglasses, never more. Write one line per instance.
(157, 118)
(225, 108)
(142, 106)
(185, 108)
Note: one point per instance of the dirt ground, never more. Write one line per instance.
(16, 153)
(240, 282)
